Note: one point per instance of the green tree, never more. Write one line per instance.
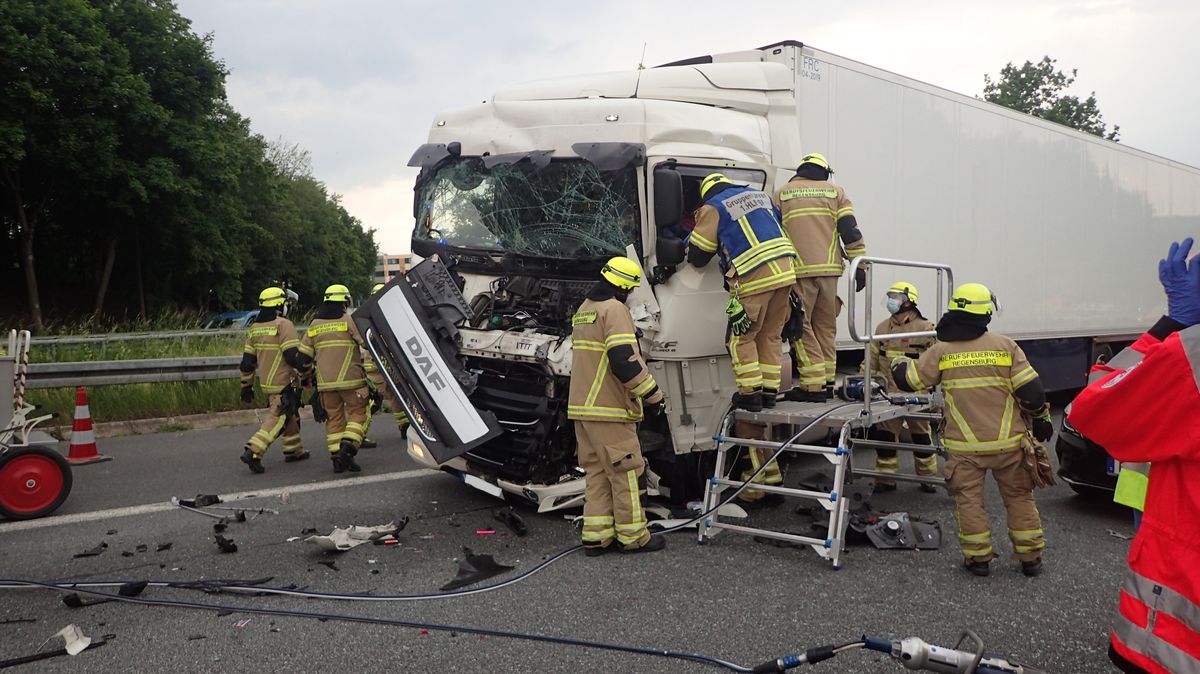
(1037, 89)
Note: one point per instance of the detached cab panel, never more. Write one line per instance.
(409, 328)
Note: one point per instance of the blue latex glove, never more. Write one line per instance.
(1181, 280)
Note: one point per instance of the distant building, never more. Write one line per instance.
(388, 265)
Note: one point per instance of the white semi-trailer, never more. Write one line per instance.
(524, 196)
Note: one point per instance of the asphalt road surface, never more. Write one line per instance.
(733, 599)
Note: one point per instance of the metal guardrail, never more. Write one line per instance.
(103, 338)
(147, 371)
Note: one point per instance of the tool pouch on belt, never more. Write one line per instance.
(794, 328)
(1037, 461)
(290, 400)
(739, 321)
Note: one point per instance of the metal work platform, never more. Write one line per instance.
(846, 417)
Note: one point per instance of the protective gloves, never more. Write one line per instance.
(1181, 281)
(319, 414)
(860, 279)
(248, 393)
(1043, 427)
(739, 321)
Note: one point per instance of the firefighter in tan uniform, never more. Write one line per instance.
(610, 385)
(819, 219)
(335, 344)
(742, 225)
(380, 395)
(273, 352)
(905, 317)
(990, 389)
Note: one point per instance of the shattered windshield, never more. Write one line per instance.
(562, 209)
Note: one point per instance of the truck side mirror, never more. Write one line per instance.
(668, 198)
(668, 250)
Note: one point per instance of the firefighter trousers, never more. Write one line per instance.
(611, 457)
(887, 460)
(757, 354)
(964, 473)
(347, 420)
(755, 456)
(816, 351)
(275, 422)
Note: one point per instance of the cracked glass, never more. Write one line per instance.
(564, 209)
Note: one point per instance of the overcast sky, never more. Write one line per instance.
(358, 82)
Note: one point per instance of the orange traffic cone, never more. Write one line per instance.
(83, 441)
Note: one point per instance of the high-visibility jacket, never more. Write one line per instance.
(609, 378)
(743, 224)
(816, 214)
(336, 346)
(978, 377)
(1146, 409)
(265, 346)
(883, 353)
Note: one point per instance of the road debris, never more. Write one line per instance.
(226, 544)
(329, 563)
(509, 517)
(473, 568)
(242, 623)
(485, 532)
(343, 539)
(1116, 534)
(143, 548)
(196, 637)
(14, 621)
(163, 547)
(94, 552)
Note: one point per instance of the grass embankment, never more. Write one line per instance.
(122, 402)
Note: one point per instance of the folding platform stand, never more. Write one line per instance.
(846, 417)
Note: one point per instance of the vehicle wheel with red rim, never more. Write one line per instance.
(34, 482)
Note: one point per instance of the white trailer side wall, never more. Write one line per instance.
(1066, 228)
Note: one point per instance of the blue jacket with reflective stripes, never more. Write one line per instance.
(749, 228)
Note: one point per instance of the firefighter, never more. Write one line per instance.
(610, 389)
(901, 303)
(816, 215)
(273, 352)
(990, 388)
(1145, 410)
(742, 224)
(334, 342)
(380, 394)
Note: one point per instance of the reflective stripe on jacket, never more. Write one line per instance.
(267, 342)
(1145, 410)
(604, 345)
(883, 353)
(742, 223)
(336, 346)
(978, 377)
(812, 210)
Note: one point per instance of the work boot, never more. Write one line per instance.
(348, 450)
(979, 568)
(655, 544)
(368, 443)
(769, 397)
(597, 550)
(928, 488)
(1033, 568)
(292, 457)
(762, 502)
(829, 391)
(339, 464)
(253, 461)
(751, 402)
(882, 487)
(802, 396)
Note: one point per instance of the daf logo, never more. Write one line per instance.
(425, 363)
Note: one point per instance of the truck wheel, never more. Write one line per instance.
(34, 482)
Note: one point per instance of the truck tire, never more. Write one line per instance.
(34, 482)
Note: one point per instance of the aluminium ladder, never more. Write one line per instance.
(843, 416)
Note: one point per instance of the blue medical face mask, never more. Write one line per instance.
(893, 305)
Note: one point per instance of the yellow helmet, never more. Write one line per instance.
(973, 298)
(816, 158)
(272, 297)
(376, 288)
(903, 288)
(622, 272)
(337, 293)
(709, 181)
